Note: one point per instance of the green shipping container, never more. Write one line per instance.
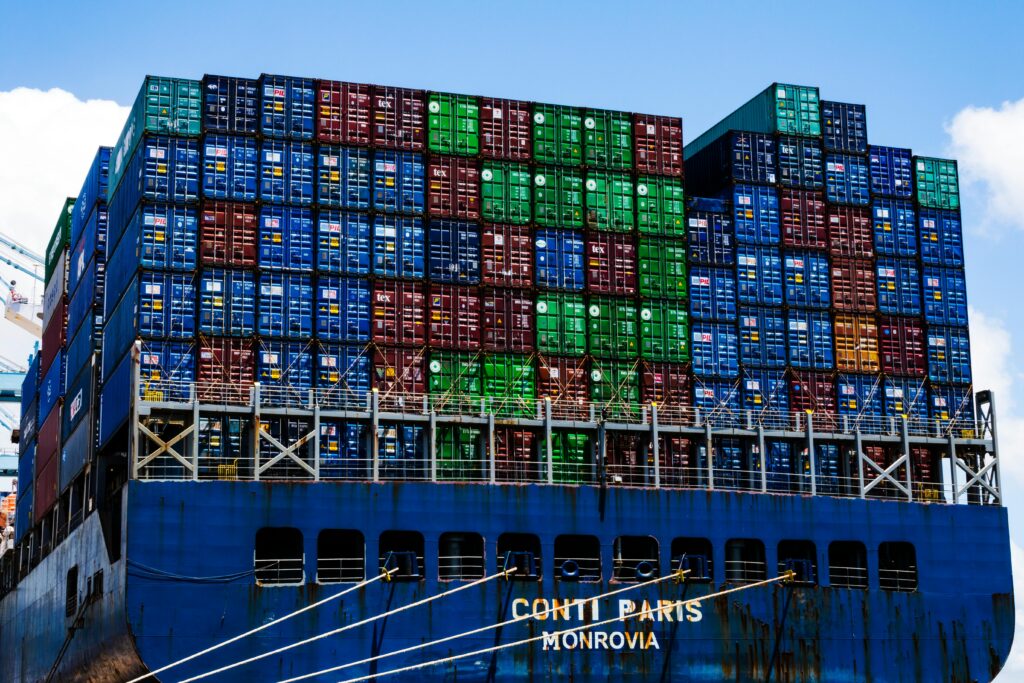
(660, 206)
(506, 192)
(557, 135)
(616, 386)
(459, 451)
(561, 324)
(662, 266)
(454, 375)
(166, 106)
(453, 124)
(609, 200)
(569, 458)
(665, 331)
(509, 383)
(608, 139)
(558, 197)
(612, 327)
(59, 239)
(937, 184)
(780, 108)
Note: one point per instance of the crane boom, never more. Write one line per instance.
(19, 248)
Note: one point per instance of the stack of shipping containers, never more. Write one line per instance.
(293, 237)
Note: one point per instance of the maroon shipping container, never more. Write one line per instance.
(54, 336)
(814, 391)
(611, 264)
(666, 384)
(658, 141)
(46, 482)
(901, 344)
(507, 320)
(398, 371)
(880, 456)
(924, 466)
(454, 317)
(398, 118)
(804, 223)
(453, 188)
(849, 232)
(513, 455)
(398, 313)
(343, 112)
(228, 234)
(48, 444)
(506, 255)
(625, 461)
(505, 129)
(563, 380)
(677, 464)
(225, 370)
(853, 285)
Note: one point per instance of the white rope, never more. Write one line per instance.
(490, 627)
(267, 625)
(349, 627)
(647, 612)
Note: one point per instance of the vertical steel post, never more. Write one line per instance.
(316, 439)
(195, 433)
(602, 470)
(134, 431)
(811, 455)
(492, 456)
(655, 446)
(375, 432)
(549, 453)
(995, 446)
(858, 444)
(256, 430)
(710, 454)
(906, 453)
(763, 456)
(432, 444)
(953, 468)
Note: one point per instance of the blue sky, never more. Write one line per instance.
(916, 65)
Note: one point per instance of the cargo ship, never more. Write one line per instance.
(348, 382)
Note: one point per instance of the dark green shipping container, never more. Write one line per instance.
(557, 135)
(661, 206)
(509, 385)
(569, 459)
(561, 324)
(609, 201)
(453, 124)
(608, 139)
(665, 331)
(616, 386)
(454, 375)
(506, 193)
(58, 239)
(460, 453)
(558, 197)
(612, 328)
(662, 267)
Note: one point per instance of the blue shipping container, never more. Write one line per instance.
(285, 372)
(343, 310)
(718, 397)
(78, 401)
(942, 242)
(801, 163)
(343, 177)
(737, 156)
(766, 393)
(895, 227)
(81, 349)
(756, 214)
(23, 507)
(115, 400)
(454, 252)
(844, 127)
(286, 172)
(343, 243)
(401, 450)
(285, 305)
(715, 350)
(76, 452)
(30, 385)
(230, 167)
(87, 302)
(950, 402)
(51, 389)
(93, 192)
(949, 355)
(762, 338)
(559, 259)
(343, 373)
(166, 369)
(807, 276)
(398, 182)
(809, 339)
(711, 238)
(905, 397)
(898, 282)
(227, 303)
(341, 452)
(892, 172)
(944, 291)
(399, 247)
(230, 105)
(712, 293)
(759, 275)
(827, 464)
(287, 106)
(859, 399)
(286, 238)
(847, 180)
(92, 245)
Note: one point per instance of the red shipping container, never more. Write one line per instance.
(455, 317)
(563, 380)
(677, 464)
(853, 285)
(47, 476)
(398, 313)
(803, 219)
(901, 344)
(666, 384)
(625, 461)
(54, 336)
(505, 129)
(228, 234)
(611, 264)
(48, 444)
(398, 118)
(513, 455)
(658, 141)
(880, 456)
(814, 391)
(924, 468)
(850, 232)
(225, 371)
(506, 255)
(398, 371)
(344, 111)
(508, 320)
(453, 188)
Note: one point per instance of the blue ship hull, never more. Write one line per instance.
(162, 602)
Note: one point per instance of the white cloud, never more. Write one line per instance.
(47, 141)
(989, 144)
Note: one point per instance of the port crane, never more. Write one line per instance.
(24, 310)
